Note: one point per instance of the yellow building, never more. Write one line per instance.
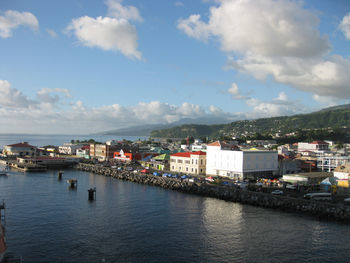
(188, 162)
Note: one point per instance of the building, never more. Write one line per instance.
(342, 175)
(288, 165)
(160, 162)
(123, 156)
(188, 162)
(227, 160)
(19, 149)
(103, 152)
(318, 147)
(306, 178)
(69, 148)
(329, 163)
(84, 152)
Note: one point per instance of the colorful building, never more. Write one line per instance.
(188, 162)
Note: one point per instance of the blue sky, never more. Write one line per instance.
(88, 66)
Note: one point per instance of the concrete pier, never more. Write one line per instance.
(338, 211)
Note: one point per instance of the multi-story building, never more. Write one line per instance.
(69, 148)
(188, 162)
(318, 147)
(226, 160)
(329, 163)
(103, 152)
(19, 149)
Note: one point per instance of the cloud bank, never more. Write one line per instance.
(54, 111)
(277, 38)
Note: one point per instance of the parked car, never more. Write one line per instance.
(277, 192)
(209, 179)
(291, 186)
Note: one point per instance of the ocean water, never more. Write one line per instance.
(128, 222)
(42, 140)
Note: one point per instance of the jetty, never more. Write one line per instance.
(329, 210)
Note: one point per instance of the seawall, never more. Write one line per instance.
(337, 211)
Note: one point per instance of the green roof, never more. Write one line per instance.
(162, 157)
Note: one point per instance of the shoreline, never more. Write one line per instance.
(324, 210)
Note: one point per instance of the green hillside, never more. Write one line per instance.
(330, 119)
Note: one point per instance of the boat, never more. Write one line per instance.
(2, 173)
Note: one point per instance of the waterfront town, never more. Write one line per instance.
(317, 169)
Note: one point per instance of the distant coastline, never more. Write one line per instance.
(58, 139)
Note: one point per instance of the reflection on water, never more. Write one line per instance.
(128, 222)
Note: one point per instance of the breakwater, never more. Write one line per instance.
(337, 211)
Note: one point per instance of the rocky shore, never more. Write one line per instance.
(337, 211)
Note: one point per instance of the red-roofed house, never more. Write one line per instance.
(19, 149)
(188, 162)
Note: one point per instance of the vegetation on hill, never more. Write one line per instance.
(325, 124)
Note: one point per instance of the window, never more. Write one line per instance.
(186, 169)
(201, 162)
(187, 161)
(172, 167)
(179, 161)
(196, 161)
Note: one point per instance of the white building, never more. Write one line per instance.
(69, 148)
(318, 147)
(329, 163)
(226, 160)
(19, 149)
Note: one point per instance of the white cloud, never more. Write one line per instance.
(117, 10)
(13, 19)
(53, 111)
(345, 25)
(326, 101)
(11, 97)
(265, 27)
(114, 33)
(234, 91)
(274, 38)
(51, 32)
(280, 106)
(106, 33)
(52, 95)
(324, 77)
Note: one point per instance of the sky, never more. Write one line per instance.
(86, 66)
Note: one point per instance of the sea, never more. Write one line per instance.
(46, 221)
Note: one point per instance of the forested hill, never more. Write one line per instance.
(335, 117)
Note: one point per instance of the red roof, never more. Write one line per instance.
(21, 144)
(319, 142)
(217, 143)
(188, 154)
